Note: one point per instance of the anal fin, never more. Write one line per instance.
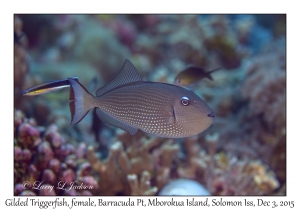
(107, 118)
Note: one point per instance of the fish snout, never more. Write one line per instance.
(211, 114)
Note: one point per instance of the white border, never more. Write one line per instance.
(28, 6)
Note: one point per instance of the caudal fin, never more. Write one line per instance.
(81, 101)
(211, 71)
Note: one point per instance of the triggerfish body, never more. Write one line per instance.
(192, 75)
(47, 87)
(129, 103)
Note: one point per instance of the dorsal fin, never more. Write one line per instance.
(128, 74)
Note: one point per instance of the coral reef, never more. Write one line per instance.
(20, 61)
(242, 153)
(139, 168)
(265, 90)
(143, 186)
(225, 175)
(43, 158)
(151, 155)
(267, 69)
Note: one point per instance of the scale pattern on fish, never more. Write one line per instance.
(127, 102)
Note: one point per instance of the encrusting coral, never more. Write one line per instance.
(140, 168)
(142, 186)
(44, 158)
(225, 175)
(266, 78)
(151, 155)
(265, 91)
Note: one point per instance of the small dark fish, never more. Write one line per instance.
(129, 103)
(47, 87)
(192, 75)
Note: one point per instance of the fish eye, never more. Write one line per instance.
(185, 101)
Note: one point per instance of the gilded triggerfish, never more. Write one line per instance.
(192, 75)
(47, 87)
(129, 103)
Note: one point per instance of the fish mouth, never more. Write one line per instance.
(211, 114)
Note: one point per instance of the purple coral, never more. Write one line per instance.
(84, 169)
(18, 189)
(26, 154)
(18, 153)
(54, 138)
(29, 136)
(48, 176)
(81, 150)
(44, 155)
(47, 190)
(51, 162)
(54, 165)
(68, 176)
(89, 182)
(64, 150)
